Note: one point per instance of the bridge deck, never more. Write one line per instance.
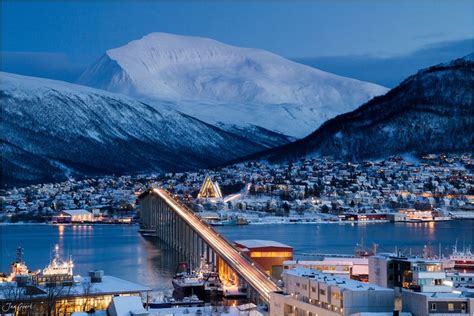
(256, 278)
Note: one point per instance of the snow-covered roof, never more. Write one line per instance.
(330, 279)
(77, 212)
(257, 243)
(110, 284)
(126, 305)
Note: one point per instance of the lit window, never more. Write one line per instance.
(450, 306)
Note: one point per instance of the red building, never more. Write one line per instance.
(268, 254)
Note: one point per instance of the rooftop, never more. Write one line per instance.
(441, 295)
(330, 279)
(112, 284)
(330, 261)
(108, 285)
(257, 243)
(77, 212)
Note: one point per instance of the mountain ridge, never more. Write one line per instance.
(52, 130)
(414, 117)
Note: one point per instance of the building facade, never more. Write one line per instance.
(311, 293)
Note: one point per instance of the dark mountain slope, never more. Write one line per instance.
(429, 112)
(52, 130)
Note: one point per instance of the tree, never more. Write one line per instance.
(87, 290)
(53, 293)
(325, 209)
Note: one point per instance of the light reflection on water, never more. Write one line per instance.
(121, 251)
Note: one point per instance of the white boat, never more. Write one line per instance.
(58, 266)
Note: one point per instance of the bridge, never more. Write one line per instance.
(164, 216)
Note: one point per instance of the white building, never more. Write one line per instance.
(311, 293)
(351, 268)
(437, 304)
(417, 274)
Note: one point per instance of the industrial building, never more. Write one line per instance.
(74, 216)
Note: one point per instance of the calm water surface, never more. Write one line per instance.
(120, 251)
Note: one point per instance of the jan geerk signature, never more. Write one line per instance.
(16, 307)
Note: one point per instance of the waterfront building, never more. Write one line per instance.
(94, 292)
(74, 216)
(434, 304)
(417, 274)
(309, 292)
(350, 268)
(269, 255)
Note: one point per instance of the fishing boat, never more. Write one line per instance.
(213, 286)
(230, 221)
(187, 282)
(463, 260)
(58, 266)
(17, 267)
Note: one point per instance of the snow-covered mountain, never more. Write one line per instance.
(429, 112)
(226, 85)
(51, 130)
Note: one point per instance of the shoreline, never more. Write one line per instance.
(249, 224)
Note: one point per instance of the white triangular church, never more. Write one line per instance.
(210, 190)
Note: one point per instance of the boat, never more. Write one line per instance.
(18, 267)
(230, 221)
(169, 302)
(213, 286)
(463, 260)
(58, 266)
(187, 282)
(224, 222)
(362, 252)
(242, 221)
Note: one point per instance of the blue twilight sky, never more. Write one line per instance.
(58, 39)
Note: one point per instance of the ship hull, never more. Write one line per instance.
(183, 290)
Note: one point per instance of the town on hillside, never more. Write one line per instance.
(434, 187)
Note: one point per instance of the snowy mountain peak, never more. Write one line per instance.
(178, 68)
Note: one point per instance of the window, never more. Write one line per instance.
(322, 292)
(432, 306)
(271, 254)
(313, 289)
(450, 306)
(336, 296)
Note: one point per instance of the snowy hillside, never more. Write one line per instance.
(429, 112)
(227, 85)
(52, 129)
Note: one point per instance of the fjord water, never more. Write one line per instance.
(121, 251)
